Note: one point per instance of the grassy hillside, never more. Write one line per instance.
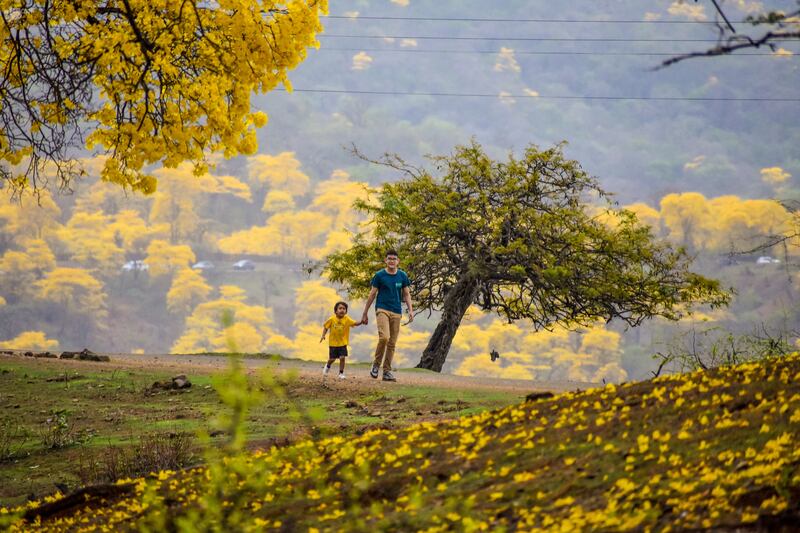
(71, 423)
(715, 449)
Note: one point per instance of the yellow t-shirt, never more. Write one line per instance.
(339, 330)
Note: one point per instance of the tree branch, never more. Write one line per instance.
(739, 41)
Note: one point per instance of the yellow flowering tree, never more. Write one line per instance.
(164, 258)
(722, 224)
(91, 241)
(299, 234)
(188, 289)
(95, 193)
(592, 354)
(19, 269)
(27, 216)
(183, 195)
(132, 233)
(277, 201)
(688, 218)
(78, 298)
(277, 173)
(313, 303)
(30, 340)
(145, 81)
(249, 329)
(73, 286)
(41, 256)
(16, 274)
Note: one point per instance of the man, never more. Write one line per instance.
(389, 289)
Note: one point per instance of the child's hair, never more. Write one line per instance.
(338, 304)
(391, 251)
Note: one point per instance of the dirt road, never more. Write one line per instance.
(310, 369)
(358, 374)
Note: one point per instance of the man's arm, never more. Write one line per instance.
(373, 292)
(407, 300)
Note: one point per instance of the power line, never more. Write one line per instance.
(548, 97)
(542, 20)
(554, 39)
(527, 52)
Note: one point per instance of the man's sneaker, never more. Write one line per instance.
(374, 372)
(325, 370)
(388, 376)
(341, 375)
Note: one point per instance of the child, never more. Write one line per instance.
(339, 325)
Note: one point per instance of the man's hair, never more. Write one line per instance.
(338, 304)
(391, 251)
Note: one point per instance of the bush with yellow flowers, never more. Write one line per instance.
(714, 449)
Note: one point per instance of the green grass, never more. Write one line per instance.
(708, 450)
(109, 406)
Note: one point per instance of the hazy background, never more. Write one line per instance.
(61, 283)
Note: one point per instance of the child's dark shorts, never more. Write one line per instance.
(335, 352)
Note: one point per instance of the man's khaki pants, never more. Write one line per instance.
(388, 329)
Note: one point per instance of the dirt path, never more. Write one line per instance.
(358, 374)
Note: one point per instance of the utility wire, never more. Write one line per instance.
(526, 52)
(542, 20)
(548, 97)
(555, 39)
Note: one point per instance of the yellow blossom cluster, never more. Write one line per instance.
(715, 224)
(169, 81)
(590, 355)
(717, 449)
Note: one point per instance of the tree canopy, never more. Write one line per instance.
(519, 238)
(144, 81)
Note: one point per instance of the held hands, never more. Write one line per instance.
(410, 318)
(364, 319)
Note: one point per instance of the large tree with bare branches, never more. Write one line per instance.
(143, 81)
(519, 238)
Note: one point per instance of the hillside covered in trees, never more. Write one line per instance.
(694, 152)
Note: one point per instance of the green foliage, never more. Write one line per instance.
(152, 452)
(58, 431)
(13, 437)
(131, 430)
(224, 505)
(715, 449)
(520, 238)
(712, 347)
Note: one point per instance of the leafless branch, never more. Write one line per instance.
(722, 14)
(730, 41)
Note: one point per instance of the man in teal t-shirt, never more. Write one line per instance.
(389, 290)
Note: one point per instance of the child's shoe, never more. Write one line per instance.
(325, 370)
(341, 375)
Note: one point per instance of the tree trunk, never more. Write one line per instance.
(456, 303)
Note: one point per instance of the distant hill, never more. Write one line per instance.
(639, 132)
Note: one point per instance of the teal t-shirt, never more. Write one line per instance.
(390, 290)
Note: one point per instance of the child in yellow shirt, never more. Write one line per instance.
(339, 325)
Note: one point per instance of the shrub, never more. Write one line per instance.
(152, 453)
(12, 438)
